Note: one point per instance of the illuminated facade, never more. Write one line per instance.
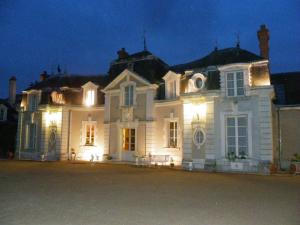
(215, 112)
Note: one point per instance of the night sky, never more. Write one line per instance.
(83, 36)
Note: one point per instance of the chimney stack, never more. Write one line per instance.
(43, 76)
(122, 53)
(263, 38)
(12, 90)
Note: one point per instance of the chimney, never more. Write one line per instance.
(263, 38)
(12, 90)
(122, 53)
(43, 76)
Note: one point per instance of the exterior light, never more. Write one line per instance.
(195, 111)
(52, 118)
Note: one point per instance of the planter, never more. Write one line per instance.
(295, 167)
(236, 165)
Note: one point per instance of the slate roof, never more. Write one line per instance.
(287, 87)
(219, 57)
(72, 81)
(144, 63)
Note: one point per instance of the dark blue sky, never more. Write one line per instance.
(84, 35)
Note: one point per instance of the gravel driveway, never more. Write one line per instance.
(36, 193)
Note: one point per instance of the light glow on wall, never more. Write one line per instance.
(52, 118)
(93, 154)
(193, 111)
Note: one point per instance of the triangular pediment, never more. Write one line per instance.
(171, 75)
(125, 76)
(90, 85)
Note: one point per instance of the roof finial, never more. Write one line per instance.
(237, 39)
(216, 44)
(145, 44)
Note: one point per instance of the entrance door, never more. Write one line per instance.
(128, 144)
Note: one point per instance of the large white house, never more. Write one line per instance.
(215, 112)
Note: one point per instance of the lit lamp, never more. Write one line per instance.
(52, 118)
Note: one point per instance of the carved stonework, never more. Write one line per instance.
(52, 139)
(127, 114)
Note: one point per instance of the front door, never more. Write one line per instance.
(128, 144)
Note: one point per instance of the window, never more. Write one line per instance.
(199, 137)
(90, 134)
(90, 97)
(2, 114)
(128, 95)
(128, 139)
(173, 128)
(57, 98)
(30, 136)
(172, 88)
(33, 102)
(235, 84)
(237, 135)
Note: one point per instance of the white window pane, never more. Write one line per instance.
(231, 149)
(230, 122)
(242, 121)
(230, 131)
(230, 84)
(240, 75)
(243, 141)
(231, 141)
(230, 76)
(240, 83)
(242, 131)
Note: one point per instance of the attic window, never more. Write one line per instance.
(198, 81)
(90, 98)
(3, 113)
(57, 98)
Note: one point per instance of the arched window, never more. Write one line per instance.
(199, 137)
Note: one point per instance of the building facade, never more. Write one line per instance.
(215, 112)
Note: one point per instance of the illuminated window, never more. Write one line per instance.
(173, 130)
(30, 136)
(128, 95)
(128, 139)
(237, 135)
(57, 98)
(90, 98)
(90, 134)
(235, 84)
(172, 88)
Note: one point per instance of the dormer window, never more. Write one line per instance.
(128, 95)
(90, 94)
(3, 113)
(90, 98)
(235, 84)
(172, 85)
(33, 101)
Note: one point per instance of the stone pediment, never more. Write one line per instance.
(127, 76)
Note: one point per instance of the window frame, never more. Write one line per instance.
(235, 87)
(30, 136)
(237, 135)
(130, 140)
(89, 134)
(173, 134)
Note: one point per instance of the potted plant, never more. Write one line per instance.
(295, 164)
(172, 162)
(231, 156)
(73, 154)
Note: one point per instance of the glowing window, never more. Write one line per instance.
(90, 98)
(128, 139)
(173, 128)
(90, 134)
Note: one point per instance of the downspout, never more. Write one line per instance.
(69, 125)
(20, 133)
(279, 137)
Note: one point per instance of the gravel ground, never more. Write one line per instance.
(36, 193)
